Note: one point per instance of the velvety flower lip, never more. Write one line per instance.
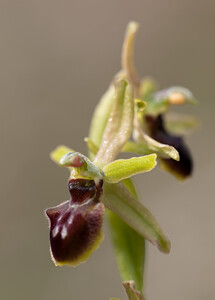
(75, 225)
(182, 168)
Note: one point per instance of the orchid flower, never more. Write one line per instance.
(101, 182)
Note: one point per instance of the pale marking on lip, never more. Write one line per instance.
(64, 232)
(70, 220)
(55, 231)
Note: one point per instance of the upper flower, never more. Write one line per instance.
(157, 131)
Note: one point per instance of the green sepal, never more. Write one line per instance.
(118, 199)
(125, 168)
(129, 246)
(132, 292)
(114, 299)
(114, 117)
(59, 152)
(119, 125)
(84, 168)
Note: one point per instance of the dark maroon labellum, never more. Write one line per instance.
(75, 225)
(157, 131)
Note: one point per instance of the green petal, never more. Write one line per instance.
(120, 201)
(125, 168)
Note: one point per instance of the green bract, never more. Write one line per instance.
(118, 199)
(129, 246)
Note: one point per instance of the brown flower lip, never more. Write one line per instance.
(75, 225)
(182, 168)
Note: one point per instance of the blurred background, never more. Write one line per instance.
(57, 58)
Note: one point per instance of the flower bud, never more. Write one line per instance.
(75, 225)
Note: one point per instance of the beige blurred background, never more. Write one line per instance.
(57, 58)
